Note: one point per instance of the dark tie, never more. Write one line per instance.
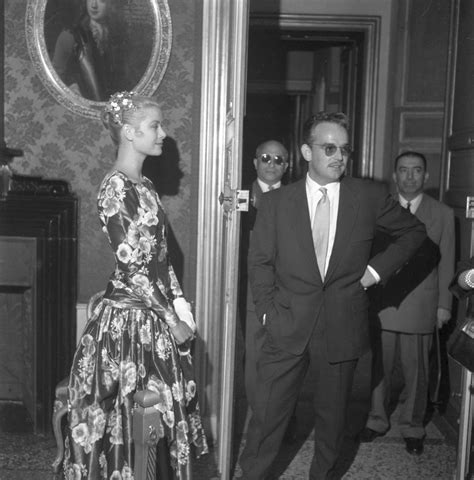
(271, 187)
(408, 206)
(320, 229)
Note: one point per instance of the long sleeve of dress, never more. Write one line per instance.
(134, 223)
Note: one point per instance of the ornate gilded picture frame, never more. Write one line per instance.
(85, 50)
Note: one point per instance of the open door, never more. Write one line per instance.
(222, 104)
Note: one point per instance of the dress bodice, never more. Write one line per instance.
(134, 221)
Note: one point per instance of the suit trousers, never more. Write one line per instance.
(280, 377)
(254, 338)
(414, 358)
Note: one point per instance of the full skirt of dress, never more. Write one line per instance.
(124, 349)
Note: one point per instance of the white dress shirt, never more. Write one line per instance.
(266, 188)
(414, 204)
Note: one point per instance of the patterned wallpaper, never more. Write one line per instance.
(58, 143)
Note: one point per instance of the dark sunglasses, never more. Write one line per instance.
(330, 149)
(269, 158)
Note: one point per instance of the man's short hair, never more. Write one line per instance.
(410, 153)
(321, 117)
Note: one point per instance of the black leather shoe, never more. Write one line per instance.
(414, 446)
(368, 435)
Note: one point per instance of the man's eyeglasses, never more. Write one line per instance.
(269, 158)
(330, 149)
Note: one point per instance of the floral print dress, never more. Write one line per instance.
(127, 346)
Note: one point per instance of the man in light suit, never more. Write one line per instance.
(409, 326)
(309, 271)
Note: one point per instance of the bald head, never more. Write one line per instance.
(272, 146)
(271, 161)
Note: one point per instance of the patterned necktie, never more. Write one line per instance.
(321, 230)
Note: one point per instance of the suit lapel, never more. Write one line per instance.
(346, 220)
(423, 212)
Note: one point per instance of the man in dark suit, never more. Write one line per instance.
(309, 268)
(271, 163)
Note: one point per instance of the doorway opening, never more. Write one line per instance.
(292, 72)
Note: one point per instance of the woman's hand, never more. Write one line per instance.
(181, 332)
(183, 311)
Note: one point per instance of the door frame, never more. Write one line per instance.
(224, 60)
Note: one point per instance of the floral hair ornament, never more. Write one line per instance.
(118, 103)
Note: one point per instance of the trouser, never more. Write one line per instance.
(414, 358)
(254, 337)
(280, 376)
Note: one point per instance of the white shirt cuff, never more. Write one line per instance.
(374, 274)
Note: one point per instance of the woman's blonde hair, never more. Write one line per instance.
(125, 107)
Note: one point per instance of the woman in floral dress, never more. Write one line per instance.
(135, 337)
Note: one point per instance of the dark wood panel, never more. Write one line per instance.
(428, 30)
(52, 221)
(421, 126)
(463, 113)
(461, 173)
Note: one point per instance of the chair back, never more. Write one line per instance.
(93, 302)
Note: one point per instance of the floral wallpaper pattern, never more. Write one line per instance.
(58, 143)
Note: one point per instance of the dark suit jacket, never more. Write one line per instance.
(255, 195)
(284, 275)
(405, 280)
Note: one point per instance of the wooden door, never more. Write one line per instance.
(222, 109)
